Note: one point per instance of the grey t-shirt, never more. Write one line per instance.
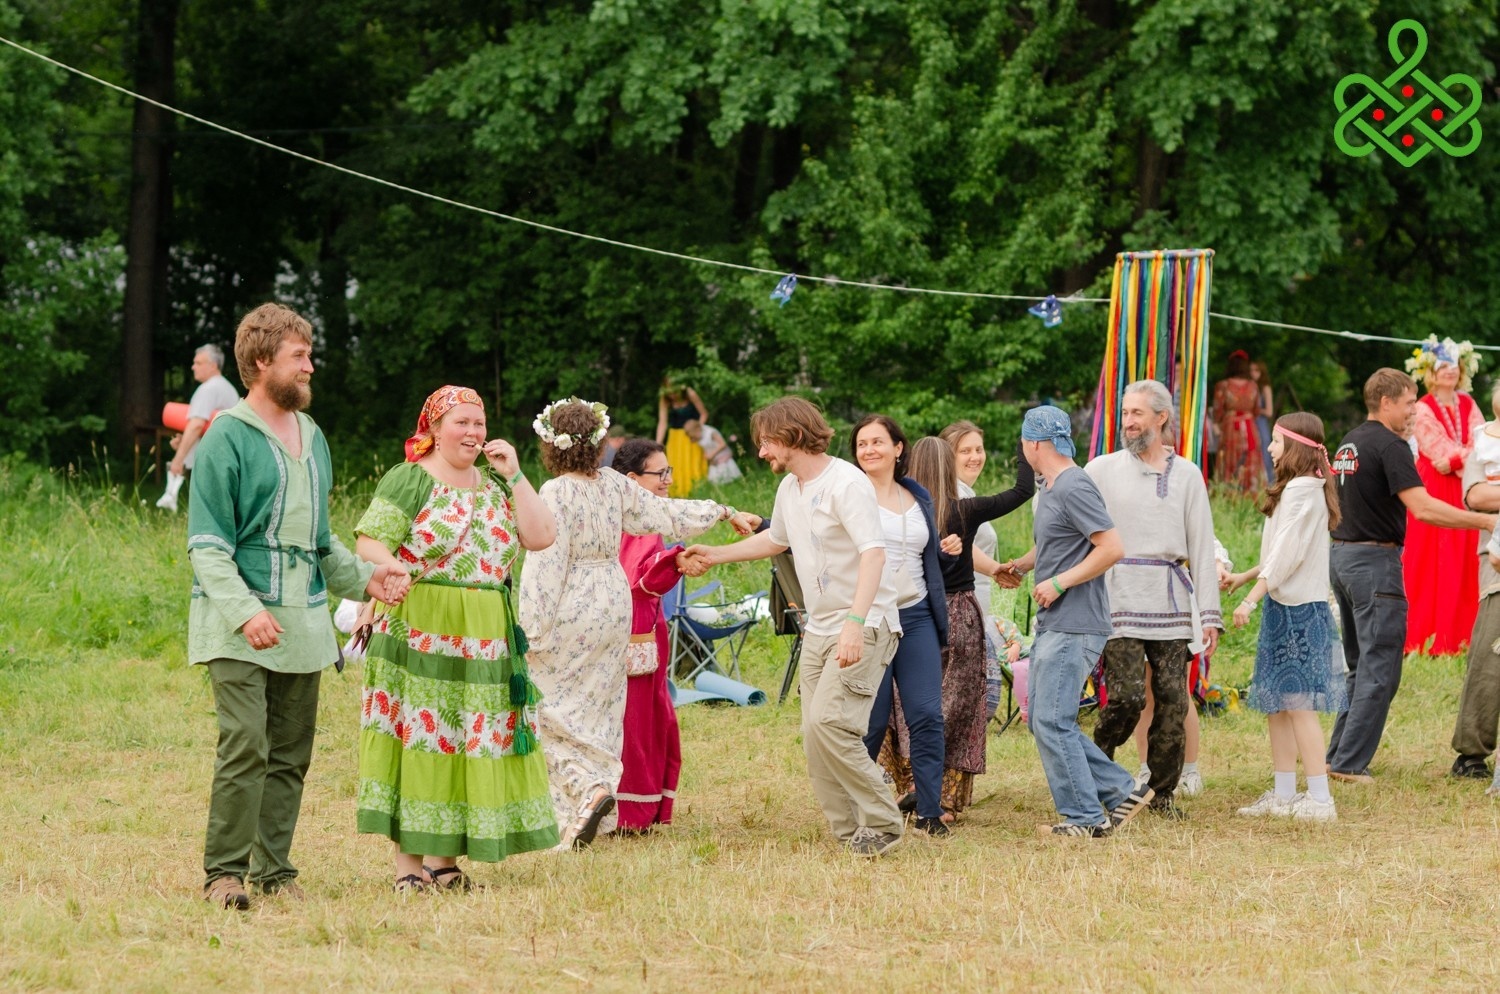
(1067, 513)
(213, 395)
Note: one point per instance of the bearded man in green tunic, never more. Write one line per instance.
(264, 562)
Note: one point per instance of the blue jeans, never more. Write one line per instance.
(917, 671)
(1085, 783)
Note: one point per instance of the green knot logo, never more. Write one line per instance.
(1406, 114)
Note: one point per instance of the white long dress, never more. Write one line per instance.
(575, 609)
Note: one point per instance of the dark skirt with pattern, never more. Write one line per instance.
(1298, 660)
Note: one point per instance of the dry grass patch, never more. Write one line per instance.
(106, 743)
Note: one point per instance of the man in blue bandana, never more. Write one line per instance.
(1076, 543)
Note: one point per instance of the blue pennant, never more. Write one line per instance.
(1049, 310)
(784, 289)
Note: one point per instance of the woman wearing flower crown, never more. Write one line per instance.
(576, 609)
(1439, 564)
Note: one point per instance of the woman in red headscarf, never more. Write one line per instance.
(1236, 403)
(449, 763)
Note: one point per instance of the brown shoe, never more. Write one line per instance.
(227, 892)
(1350, 777)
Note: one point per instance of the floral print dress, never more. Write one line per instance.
(449, 763)
(576, 608)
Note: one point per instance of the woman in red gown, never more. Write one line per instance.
(1236, 403)
(1440, 567)
(652, 749)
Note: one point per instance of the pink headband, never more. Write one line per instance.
(1305, 441)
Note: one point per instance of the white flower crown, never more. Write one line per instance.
(544, 430)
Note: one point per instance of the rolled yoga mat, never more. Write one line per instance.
(715, 687)
(720, 685)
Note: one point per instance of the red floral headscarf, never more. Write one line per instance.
(443, 400)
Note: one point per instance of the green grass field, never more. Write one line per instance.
(106, 746)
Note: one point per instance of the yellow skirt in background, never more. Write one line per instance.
(689, 465)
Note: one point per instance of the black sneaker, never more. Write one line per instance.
(934, 827)
(1067, 830)
(1131, 806)
(908, 802)
(1470, 768)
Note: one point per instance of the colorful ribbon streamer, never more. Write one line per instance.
(1158, 330)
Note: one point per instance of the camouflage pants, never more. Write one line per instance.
(1125, 680)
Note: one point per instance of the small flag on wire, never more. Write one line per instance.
(1049, 310)
(784, 289)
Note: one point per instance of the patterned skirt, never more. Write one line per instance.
(1299, 661)
(442, 768)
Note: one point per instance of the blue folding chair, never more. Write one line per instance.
(695, 646)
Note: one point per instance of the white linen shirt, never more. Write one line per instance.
(1163, 517)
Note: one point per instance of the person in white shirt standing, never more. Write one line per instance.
(827, 513)
(1164, 593)
(214, 394)
(1298, 659)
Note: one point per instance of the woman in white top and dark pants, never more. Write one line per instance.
(911, 565)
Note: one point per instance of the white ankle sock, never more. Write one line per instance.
(1317, 788)
(1189, 768)
(1286, 785)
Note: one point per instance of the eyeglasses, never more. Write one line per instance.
(665, 474)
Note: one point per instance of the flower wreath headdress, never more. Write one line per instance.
(544, 430)
(1432, 353)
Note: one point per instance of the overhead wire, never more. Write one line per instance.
(617, 243)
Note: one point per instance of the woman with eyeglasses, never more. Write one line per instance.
(652, 754)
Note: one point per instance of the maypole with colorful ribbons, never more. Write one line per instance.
(1158, 330)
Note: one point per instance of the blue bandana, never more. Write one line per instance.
(1049, 424)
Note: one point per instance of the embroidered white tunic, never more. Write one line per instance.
(1167, 586)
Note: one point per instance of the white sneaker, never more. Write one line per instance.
(1143, 775)
(1305, 807)
(1269, 805)
(167, 502)
(1191, 784)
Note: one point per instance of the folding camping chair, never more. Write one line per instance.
(787, 614)
(698, 644)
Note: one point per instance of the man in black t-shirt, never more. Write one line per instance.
(1378, 484)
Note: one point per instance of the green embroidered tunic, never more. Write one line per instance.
(259, 539)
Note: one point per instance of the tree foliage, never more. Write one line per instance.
(1004, 148)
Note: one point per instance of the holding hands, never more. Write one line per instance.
(389, 583)
(691, 564)
(744, 522)
(1230, 582)
(1009, 575)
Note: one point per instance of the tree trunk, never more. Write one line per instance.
(150, 212)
